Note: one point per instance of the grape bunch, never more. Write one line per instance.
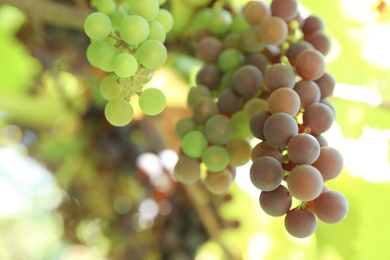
(264, 81)
(127, 41)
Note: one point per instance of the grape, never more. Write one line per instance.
(240, 125)
(258, 60)
(312, 24)
(157, 31)
(230, 59)
(196, 93)
(229, 102)
(326, 83)
(105, 57)
(208, 49)
(285, 9)
(117, 17)
(318, 117)
(218, 182)
(134, 29)
(232, 41)
(253, 106)
(216, 158)
(218, 129)
(247, 81)
(303, 149)
(148, 9)
(239, 151)
(226, 81)
(187, 170)
(321, 140)
(125, 65)
(296, 48)
(105, 6)
(92, 51)
(256, 124)
(202, 19)
(220, 21)
(209, 76)
(279, 75)
(141, 77)
(330, 163)
(310, 64)
(264, 148)
(152, 54)
(203, 109)
(320, 41)
(118, 112)
(308, 92)
(284, 100)
(273, 30)
(166, 19)
(239, 24)
(300, 223)
(194, 143)
(279, 128)
(276, 202)
(328, 104)
(152, 101)
(97, 26)
(305, 182)
(266, 173)
(255, 11)
(250, 41)
(109, 87)
(184, 126)
(331, 207)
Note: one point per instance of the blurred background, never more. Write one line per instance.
(74, 187)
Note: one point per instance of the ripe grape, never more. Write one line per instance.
(279, 128)
(218, 182)
(264, 148)
(152, 101)
(296, 48)
(279, 75)
(203, 109)
(303, 149)
(125, 65)
(308, 92)
(300, 223)
(118, 112)
(284, 100)
(320, 41)
(255, 11)
(239, 151)
(258, 60)
(256, 124)
(208, 49)
(229, 102)
(134, 29)
(310, 64)
(166, 19)
(152, 54)
(218, 129)
(209, 76)
(266, 173)
(97, 26)
(330, 163)
(216, 158)
(326, 83)
(331, 207)
(305, 182)
(276, 202)
(187, 170)
(148, 9)
(272, 30)
(194, 143)
(311, 24)
(109, 87)
(285, 9)
(196, 93)
(247, 81)
(318, 117)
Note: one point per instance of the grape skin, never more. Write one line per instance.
(303, 149)
(310, 64)
(300, 223)
(266, 173)
(284, 100)
(187, 170)
(97, 26)
(279, 128)
(318, 117)
(330, 163)
(218, 182)
(331, 207)
(276, 202)
(305, 182)
(264, 148)
(279, 75)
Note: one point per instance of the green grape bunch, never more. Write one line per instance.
(127, 42)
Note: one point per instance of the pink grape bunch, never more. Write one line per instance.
(264, 79)
(127, 42)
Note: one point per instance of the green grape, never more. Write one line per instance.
(230, 59)
(97, 26)
(105, 57)
(203, 18)
(92, 51)
(157, 31)
(148, 9)
(198, 3)
(117, 18)
(161, 2)
(152, 101)
(184, 126)
(165, 18)
(125, 65)
(105, 6)
(239, 151)
(239, 24)
(253, 106)
(134, 29)
(240, 125)
(187, 170)
(141, 77)
(118, 112)
(109, 87)
(194, 143)
(216, 158)
(219, 129)
(220, 21)
(152, 54)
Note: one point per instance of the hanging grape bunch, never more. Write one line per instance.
(127, 42)
(264, 79)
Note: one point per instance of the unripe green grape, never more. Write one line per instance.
(118, 112)
(165, 18)
(148, 9)
(216, 158)
(220, 21)
(230, 59)
(152, 101)
(152, 54)
(134, 29)
(161, 2)
(105, 6)
(109, 87)
(141, 77)
(187, 170)
(194, 143)
(198, 3)
(105, 57)
(117, 18)
(157, 31)
(97, 26)
(92, 51)
(125, 65)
